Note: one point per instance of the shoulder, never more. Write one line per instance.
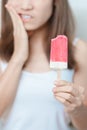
(81, 53)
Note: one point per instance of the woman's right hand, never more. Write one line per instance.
(21, 45)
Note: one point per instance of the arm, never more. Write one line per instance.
(10, 78)
(9, 83)
(79, 118)
(73, 95)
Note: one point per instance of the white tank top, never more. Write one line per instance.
(35, 107)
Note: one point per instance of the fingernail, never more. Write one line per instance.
(8, 7)
(56, 83)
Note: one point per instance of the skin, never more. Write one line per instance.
(72, 95)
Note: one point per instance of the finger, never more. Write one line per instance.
(68, 106)
(17, 22)
(68, 97)
(64, 89)
(15, 17)
(62, 100)
(71, 108)
(60, 82)
(12, 3)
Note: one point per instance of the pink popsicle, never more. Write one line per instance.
(59, 52)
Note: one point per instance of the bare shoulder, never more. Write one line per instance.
(80, 75)
(81, 53)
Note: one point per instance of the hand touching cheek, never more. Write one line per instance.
(21, 47)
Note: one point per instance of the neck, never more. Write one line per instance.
(38, 46)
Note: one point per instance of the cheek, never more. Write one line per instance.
(14, 3)
(45, 13)
(44, 9)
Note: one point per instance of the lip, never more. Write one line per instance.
(25, 20)
(21, 13)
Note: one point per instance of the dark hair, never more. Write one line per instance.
(61, 22)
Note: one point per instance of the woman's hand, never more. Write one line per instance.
(69, 94)
(21, 47)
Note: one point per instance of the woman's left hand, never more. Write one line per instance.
(69, 94)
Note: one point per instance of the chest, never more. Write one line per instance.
(34, 89)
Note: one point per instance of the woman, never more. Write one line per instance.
(31, 96)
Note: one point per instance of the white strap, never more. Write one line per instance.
(2, 65)
(75, 41)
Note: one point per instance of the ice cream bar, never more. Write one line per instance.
(59, 52)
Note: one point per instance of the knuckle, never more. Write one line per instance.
(70, 89)
(70, 96)
(64, 101)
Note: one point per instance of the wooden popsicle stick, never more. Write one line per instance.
(59, 74)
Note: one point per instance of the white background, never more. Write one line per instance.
(79, 8)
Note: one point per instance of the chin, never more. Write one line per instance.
(29, 27)
(32, 28)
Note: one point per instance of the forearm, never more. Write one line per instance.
(9, 84)
(79, 118)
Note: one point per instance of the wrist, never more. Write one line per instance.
(77, 111)
(17, 60)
